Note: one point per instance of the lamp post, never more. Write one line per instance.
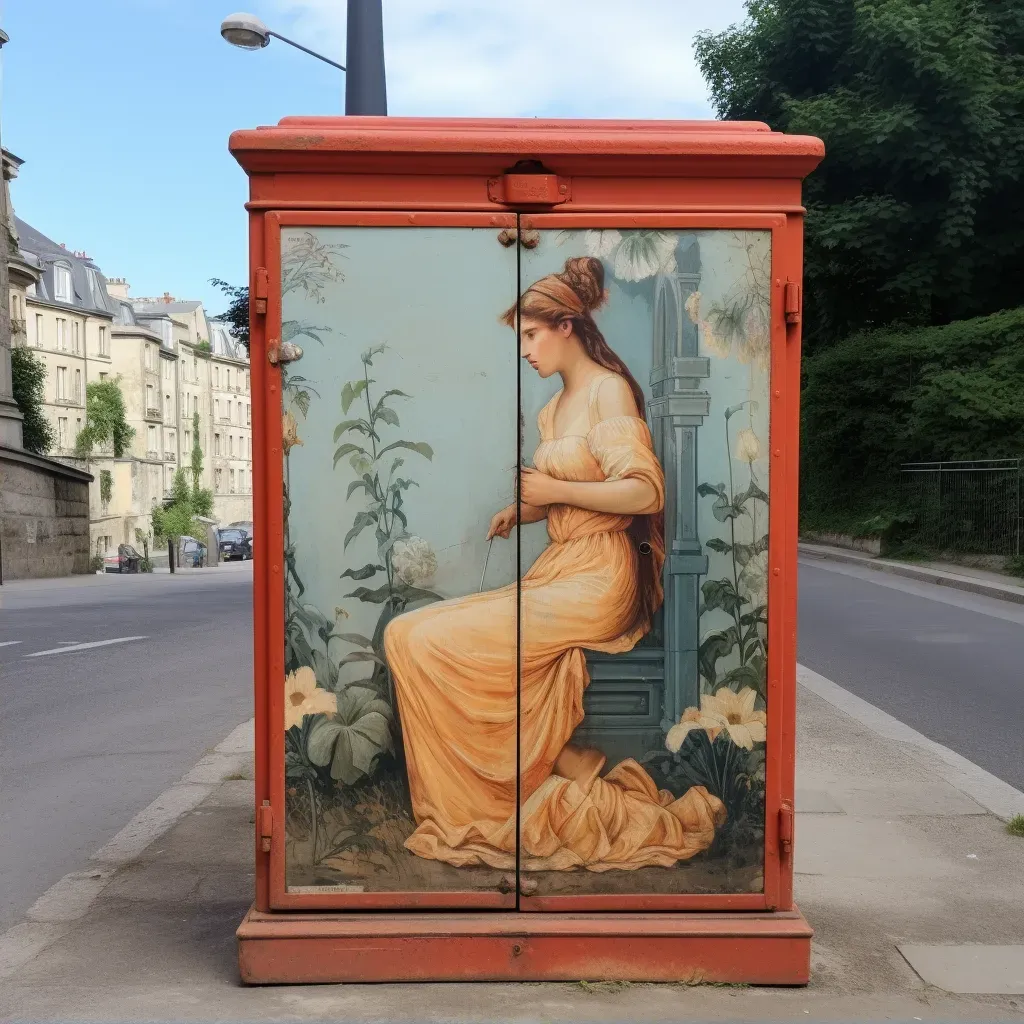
(365, 84)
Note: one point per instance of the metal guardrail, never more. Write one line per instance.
(970, 506)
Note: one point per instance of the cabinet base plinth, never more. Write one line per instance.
(318, 948)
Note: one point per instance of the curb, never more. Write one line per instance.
(912, 572)
(53, 914)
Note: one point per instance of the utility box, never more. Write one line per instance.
(525, 400)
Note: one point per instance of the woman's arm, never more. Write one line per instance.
(629, 497)
(503, 521)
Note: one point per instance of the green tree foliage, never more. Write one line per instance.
(237, 313)
(28, 377)
(105, 420)
(915, 214)
(176, 518)
(202, 497)
(883, 398)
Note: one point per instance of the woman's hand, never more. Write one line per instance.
(502, 523)
(539, 489)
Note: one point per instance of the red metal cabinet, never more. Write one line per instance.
(526, 443)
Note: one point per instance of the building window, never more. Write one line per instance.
(218, 480)
(167, 407)
(216, 407)
(103, 376)
(231, 444)
(216, 376)
(248, 414)
(75, 337)
(239, 404)
(78, 385)
(247, 382)
(151, 442)
(62, 334)
(216, 444)
(78, 428)
(149, 357)
(62, 283)
(150, 400)
(62, 383)
(228, 371)
(188, 440)
(195, 404)
(62, 431)
(104, 342)
(39, 330)
(231, 481)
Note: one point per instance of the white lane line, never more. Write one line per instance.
(83, 647)
(9, 643)
(995, 795)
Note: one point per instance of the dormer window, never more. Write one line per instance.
(62, 290)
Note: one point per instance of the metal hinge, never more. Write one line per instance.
(260, 290)
(266, 826)
(786, 829)
(528, 184)
(793, 304)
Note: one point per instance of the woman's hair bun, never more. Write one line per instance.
(585, 276)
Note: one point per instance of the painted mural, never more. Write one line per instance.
(526, 550)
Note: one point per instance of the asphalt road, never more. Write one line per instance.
(89, 737)
(947, 663)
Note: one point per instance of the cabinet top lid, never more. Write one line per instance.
(382, 145)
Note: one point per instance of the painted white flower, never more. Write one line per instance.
(744, 725)
(692, 306)
(756, 346)
(414, 561)
(303, 697)
(642, 254)
(602, 243)
(754, 578)
(748, 448)
(692, 719)
(716, 344)
(289, 432)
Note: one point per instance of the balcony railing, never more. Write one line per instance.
(152, 453)
(170, 456)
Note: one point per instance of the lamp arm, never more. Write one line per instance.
(305, 49)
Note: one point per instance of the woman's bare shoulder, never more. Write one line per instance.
(615, 398)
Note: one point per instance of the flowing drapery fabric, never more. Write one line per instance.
(454, 667)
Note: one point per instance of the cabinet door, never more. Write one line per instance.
(644, 639)
(393, 706)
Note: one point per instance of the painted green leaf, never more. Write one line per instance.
(721, 594)
(351, 391)
(744, 553)
(420, 447)
(348, 449)
(742, 675)
(364, 573)
(415, 593)
(302, 401)
(360, 462)
(715, 544)
(706, 490)
(355, 656)
(723, 509)
(367, 356)
(362, 520)
(714, 646)
(752, 491)
(355, 486)
(403, 485)
(355, 638)
(389, 416)
(378, 596)
(346, 425)
(733, 409)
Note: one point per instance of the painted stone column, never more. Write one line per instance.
(676, 410)
(10, 414)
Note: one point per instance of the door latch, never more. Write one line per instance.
(530, 189)
(260, 290)
(266, 826)
(793, 304)
(282, 352)
(786, 829)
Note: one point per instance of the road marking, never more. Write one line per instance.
(9, 643)
(84, 647)
(995, 795)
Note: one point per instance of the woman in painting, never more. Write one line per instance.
(596, 586)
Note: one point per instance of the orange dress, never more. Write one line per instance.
(454, 668)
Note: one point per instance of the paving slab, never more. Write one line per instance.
(969, 969)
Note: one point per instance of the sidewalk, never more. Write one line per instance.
(894, 846)
(959, 577)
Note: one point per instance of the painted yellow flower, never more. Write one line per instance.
(303, 697)
(692, 719)
(736, 713)
(289, 432)
(748, 448)
(692, 306)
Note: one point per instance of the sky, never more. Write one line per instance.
(121, 109)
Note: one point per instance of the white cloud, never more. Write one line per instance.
(565, 58)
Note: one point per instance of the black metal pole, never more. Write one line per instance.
(365, 86)
(170, 554)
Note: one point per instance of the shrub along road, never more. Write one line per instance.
(90, 735)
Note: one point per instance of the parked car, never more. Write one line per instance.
(192, 553)
(245, 525)
(234, 543)
(125, 559)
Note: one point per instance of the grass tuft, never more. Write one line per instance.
(1015, 826)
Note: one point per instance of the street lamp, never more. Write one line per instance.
(365, 87)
